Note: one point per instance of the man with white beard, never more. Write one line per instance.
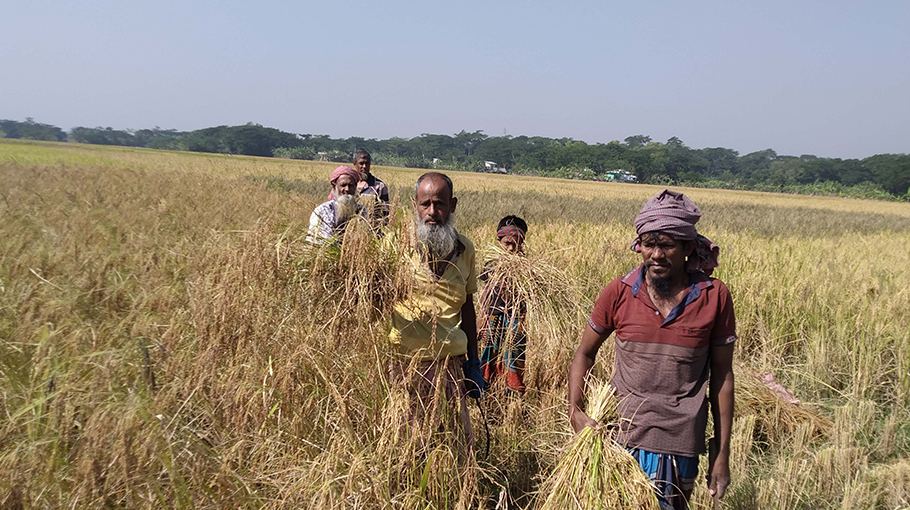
(435, 330)
(330, 218)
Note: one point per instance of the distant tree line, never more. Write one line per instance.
(883, 176)
(31, 130)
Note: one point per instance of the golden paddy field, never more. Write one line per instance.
(162, 346)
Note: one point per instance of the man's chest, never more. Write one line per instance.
(638, 321)
(370, 189)
(447, 289)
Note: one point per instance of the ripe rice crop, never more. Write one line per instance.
(167, 341)
(542, 294)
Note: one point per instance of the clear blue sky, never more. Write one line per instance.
(806, 77)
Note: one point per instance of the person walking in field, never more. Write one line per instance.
(675, 329)
(330, 218)
(370, 187)
(370, 184)
(502, 334)
(435, 330)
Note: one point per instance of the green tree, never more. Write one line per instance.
(719, 161)
(103, 136)
(754, 165)
(636, 141)
(31, 130)
(468, 142)
(891, 172)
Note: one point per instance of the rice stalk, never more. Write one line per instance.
(358, 272)
(595, 472)
(776, 419)
(106, 250)
(548, 305)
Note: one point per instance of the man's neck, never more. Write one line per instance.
(665, 302)
(438, 265)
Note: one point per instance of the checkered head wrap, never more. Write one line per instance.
(510, 231)
(675, 214)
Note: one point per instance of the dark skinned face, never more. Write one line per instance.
(362, 165)
(434, 201)
(663, 256)
(510, 244)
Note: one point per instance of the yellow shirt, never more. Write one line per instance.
(428, 325)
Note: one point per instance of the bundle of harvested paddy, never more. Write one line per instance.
(548, 309)
(775, 416)
(360, 270)
(596, 472)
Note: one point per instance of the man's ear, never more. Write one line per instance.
(689, 247)
(454, 203)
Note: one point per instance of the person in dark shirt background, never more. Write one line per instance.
(370, 185)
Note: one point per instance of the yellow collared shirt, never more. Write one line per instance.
(428, 325)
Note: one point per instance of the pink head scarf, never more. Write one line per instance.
(344, 170)
(675, 214)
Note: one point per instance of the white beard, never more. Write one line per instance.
(345, 208)
(437, 241)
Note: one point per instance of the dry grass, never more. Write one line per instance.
(551, 309)
(775, 419)
(595, 472)
(167, 341)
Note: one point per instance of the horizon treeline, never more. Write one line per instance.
(882, 176)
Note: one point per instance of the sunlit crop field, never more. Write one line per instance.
(160, 345)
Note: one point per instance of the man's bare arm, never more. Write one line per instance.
(581, 364)
(722, 406)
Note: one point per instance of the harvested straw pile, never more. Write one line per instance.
(596, 472)
(776, 418)
(549, 306)
(359, 270)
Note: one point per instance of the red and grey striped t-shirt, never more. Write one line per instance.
(662, 363)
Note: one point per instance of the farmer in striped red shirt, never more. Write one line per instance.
(675, 330)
